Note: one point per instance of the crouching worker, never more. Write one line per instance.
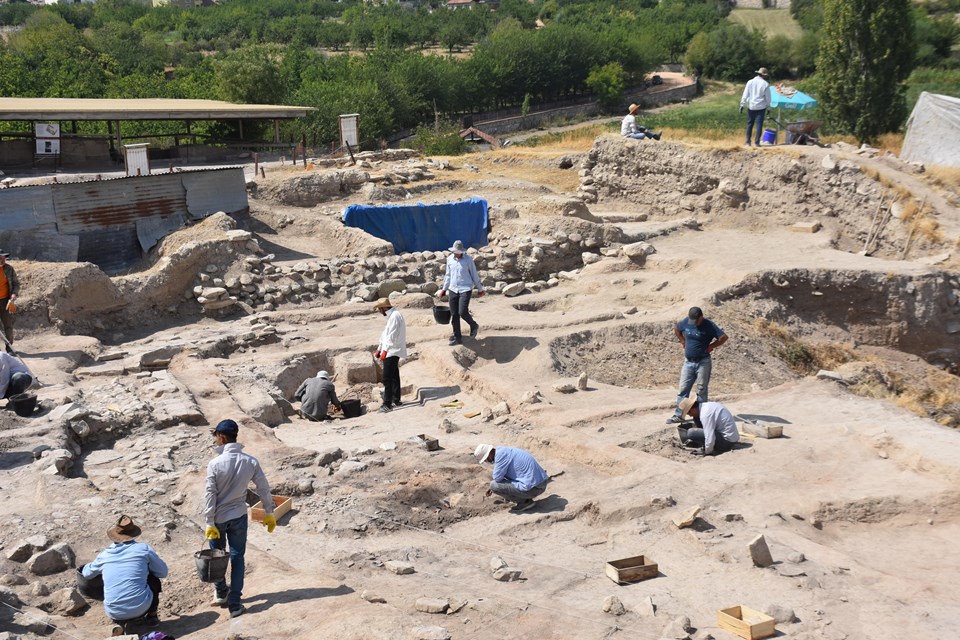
(15, 378)
(516, 475)
(131, 575)
(716, 430)
(315, 396)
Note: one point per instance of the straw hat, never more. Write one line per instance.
(763, 72)
(686, 404)
(456, 248)
(383, 303)
(633, 107)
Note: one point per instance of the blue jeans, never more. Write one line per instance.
(639, 136)
(234, 533)
(511, 492)
(755, 116)
(460, 308)
(690, 372)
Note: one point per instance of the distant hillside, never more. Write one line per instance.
(770, 21)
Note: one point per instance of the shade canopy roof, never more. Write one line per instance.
(136, 109)
(797, 101)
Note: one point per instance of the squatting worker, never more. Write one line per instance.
(699, 337)
(756, 98)
(225, 508)
(516, 475)
(716, 430)
(9, 290)
(458, 283)
(131, 574)
(315, 396)
(392, 347)
(14, 376)
(630, 129)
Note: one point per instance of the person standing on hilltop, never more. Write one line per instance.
(699, 337)
(756, 98)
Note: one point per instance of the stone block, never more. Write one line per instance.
(507, 574)
(432, 605)
(806, 227)
(399, 567)
(57, 558)
(20, 552)
(514, 289)
(783, 615)
(582, 381)
(687, 518)
(355, 367)
(638, 250)
(501, 409)
(614, 606)
(760, 552)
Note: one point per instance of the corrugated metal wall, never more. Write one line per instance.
(98, 221)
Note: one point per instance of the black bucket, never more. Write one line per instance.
(211, 564)
(90, 587)
(23, 404)
(351, 408)
(441, 314)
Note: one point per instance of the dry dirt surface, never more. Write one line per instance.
(594, 254)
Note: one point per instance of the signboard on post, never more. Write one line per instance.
(349, 133)
(48, 138)
(138, 164)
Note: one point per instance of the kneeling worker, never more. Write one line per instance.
(131, 575)
(516, 475)
(315, 396)
(716, 430)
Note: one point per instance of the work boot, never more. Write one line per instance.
(454, 341)
(474, 330)
(656, 136)
(525, 505)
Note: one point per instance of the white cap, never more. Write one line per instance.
(323, 374)
(482, 451)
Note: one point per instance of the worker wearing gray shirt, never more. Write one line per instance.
(716, 429)
(225, 508)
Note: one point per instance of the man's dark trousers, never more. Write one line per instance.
(391, 381)
(755, 116)
(460, 308)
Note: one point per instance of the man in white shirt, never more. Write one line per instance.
(756, 98)
(15, 378)
(630, 129)
(716, 429)
(392, 347)
(458, 282)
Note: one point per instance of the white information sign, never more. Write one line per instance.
(348, 129)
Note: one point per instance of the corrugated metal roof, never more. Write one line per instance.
(136, 109)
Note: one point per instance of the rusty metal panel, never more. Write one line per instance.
(151, 230)
(26, 208)
(211, 191)
(113, 249)
(89, 206)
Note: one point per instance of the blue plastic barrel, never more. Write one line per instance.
(769, 136)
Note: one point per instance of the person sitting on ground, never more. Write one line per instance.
(315, 396)
(630, 129)
(131, 575)
(516, 475)
(15, 378)
(716, 430)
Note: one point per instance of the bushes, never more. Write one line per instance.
(729, 52)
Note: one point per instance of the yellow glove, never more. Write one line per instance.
(270, 523)
(213, 533)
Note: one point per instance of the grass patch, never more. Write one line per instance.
(772, 22)
(804, 357)
(580, 138)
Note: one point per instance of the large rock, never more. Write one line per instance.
(399, 567)
(66, 602)
(160, 358)
(355, 367)
(760, 552)
(432, 605)
(413, 301)
(514, 289)
(389, 286)
(259, 405)
(783, 615)
(57, 558)
(638, 251)
(613, 606)
(678, 629)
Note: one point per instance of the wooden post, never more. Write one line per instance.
(350, 151)
(240, 123)
(276, 132)
(263, 174)
(256, 164)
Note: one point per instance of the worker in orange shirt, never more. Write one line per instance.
(9, 288)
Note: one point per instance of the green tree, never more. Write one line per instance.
(250, 75)
(607, 83)
(865, 56)
(729, 52)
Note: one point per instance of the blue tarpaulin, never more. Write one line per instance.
(423, 227)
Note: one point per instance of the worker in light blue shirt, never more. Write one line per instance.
(458, 282)
(516, 475)
(131, 574)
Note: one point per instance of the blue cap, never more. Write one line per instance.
(229, 427)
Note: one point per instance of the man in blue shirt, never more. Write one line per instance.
(458, 283)
(699, 337)
(516, 475)
(131, 575)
